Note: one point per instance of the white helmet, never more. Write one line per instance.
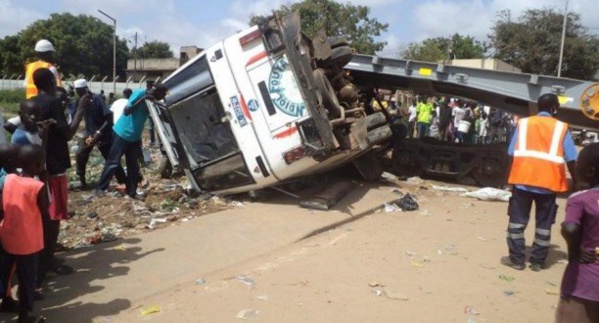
(44, 46)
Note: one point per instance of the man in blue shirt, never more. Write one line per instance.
(98, 120)
(540, 146)
(126, 139)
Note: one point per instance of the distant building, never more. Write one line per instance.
(154, 68)
(486, 64)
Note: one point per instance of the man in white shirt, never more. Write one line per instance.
(411, 119)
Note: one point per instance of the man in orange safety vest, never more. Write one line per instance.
(542, 148)
(45, 53)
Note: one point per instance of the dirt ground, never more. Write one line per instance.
(437, 264)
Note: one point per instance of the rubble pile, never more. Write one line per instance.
(95, 219)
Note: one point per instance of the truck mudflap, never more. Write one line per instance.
(486, 165)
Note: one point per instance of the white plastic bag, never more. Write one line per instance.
(490, 194)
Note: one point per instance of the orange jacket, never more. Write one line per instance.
(21, 231)
(539, 154)
(30, 88)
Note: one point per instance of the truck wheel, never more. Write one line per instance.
(339, 57)
(329, 98)
(165, 168)
(404, 162)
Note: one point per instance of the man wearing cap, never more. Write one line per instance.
(98, 124)
(45, 53)
(126, 139)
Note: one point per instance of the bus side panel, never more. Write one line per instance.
(236, 109)
(274, 103)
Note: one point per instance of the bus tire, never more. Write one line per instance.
(329, 97)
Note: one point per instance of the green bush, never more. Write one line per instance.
(9, 101)
(12, 96)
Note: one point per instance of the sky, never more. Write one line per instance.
(205, 22)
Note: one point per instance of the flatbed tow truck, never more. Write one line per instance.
(269, 105)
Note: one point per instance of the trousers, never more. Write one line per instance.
(519, 209)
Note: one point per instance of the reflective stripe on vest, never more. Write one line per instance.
(551, 155)
(30, 88)
(539, 155)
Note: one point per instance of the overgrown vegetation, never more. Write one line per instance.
(9, 101)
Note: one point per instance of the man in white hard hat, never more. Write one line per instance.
(45, 53)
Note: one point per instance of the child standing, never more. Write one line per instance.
(24, 199)
(579, 300)
(29, 114)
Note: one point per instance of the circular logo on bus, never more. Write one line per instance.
(283, 89)
(253, 105)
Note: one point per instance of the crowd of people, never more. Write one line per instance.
(33, 176)
(457, 120)
(34, 194)
(539, 144)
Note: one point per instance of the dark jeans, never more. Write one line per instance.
(26, 273)
(519, 213)
(131, 151)
(422, 129)
(82, 158)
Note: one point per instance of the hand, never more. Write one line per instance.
(92, 140)
(587, 257)
(44, 125)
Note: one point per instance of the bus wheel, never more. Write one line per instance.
(329, 98)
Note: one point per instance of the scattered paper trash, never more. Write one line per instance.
(262, 297)
(150, 310)
(507, 278)
(390, 208)
(417, 264)
(449, 189)
(247, 313)
(376, 284)
(120, 248)
(490, 194)
(471, 310)
(415, 180)
(200, 281)
(395, 296)
(552, 291)
(389, 177)
(425, 212)
(246, 280)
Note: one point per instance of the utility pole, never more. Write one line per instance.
(113, 51)
(561, 51)
(135, 59)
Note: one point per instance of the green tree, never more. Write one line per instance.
(10, 59)
(443, 48)
(154, 49)
(337, 19)
(83, 45)
(532, 43)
